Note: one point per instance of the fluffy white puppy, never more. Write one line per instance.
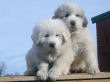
(82, 41)
(51, 54)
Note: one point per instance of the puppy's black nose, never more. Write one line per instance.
(51, 45)
(72, 23)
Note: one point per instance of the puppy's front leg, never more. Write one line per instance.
(91, 61)
(61, 66)
(43, 71)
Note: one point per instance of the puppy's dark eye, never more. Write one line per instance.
(47, 35)
(77, 15)
(57, 35)
(67, 15)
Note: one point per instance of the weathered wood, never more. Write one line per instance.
(78, 77)
(103, 44)
(102, 80)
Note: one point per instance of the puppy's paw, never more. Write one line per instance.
(93, 71)
(42, 74)
(66, 71)
(54, 74)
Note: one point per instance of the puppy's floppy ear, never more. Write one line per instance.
(63, 39)
(35, 38)
(85, 22)
(65, 36)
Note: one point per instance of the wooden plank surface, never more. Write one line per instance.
(71, 77)
(98, 80)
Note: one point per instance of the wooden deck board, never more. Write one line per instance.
(83, 77)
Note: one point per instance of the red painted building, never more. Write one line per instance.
(103, 40)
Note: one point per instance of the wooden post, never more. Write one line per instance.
(103, 40)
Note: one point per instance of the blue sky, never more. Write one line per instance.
(18, 17)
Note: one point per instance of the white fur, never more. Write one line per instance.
(45, 61)
(82, 41)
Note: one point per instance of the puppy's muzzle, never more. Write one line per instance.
(52, 45)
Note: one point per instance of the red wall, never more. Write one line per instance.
(103, 44)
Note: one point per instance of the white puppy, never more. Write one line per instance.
(51, 54)
(82, 41)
